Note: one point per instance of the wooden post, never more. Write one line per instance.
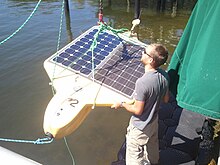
(137, 9)
(68, 22)
(161, 5)
(100, 11)
(109, 2)
(67, 8)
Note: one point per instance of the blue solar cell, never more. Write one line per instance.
(112, 36)
(81, 62)
(76, 67)
(89, 53)
(104, 53)
(87, 46)
(90, 43)
(116, 42)
(88, 66)
(112, 46)
(93, 32)
(87, 58)
(89, 36)
(75, 47)
(100, 37)
(66, 63)
(99, 57)
(96, 61)
(85, 71)
(80, 43)
(84, 40)
(64, 55)
(72, 58)
(70, 51)
(82, 50)
(108, 49)
(108, 40)
(100, 46)
(58, 59)
(96, 50)
(77, 54)
(104, 43)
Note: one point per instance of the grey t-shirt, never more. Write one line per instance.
(151, 88)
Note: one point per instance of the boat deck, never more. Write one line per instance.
(179, 136)
(179, 140)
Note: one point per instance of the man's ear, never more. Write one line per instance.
(151, 61)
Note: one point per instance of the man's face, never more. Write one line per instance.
(146, 55)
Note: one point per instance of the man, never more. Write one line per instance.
(150, 89)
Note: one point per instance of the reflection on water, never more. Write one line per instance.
(24, 89)
(155, 26)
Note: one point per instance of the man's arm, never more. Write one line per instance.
(136, 108)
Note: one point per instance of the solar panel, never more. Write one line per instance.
(78, 56)
(122, 70)
(116, 63)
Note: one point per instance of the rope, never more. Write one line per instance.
(16, 31)
(52, 82)
(39, 140)
(92, 47)
(58, 45)
(102, 27)
(46, 140)
(115, 31)
(71, 155)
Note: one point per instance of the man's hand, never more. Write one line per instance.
(116, 105)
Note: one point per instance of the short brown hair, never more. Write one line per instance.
(159, 55)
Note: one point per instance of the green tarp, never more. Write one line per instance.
(195, 65)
